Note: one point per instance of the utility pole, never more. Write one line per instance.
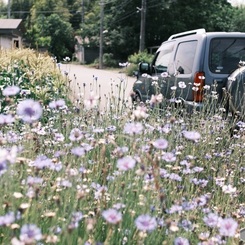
(9, 10)
(101, 34)
(82, 12)
(142, 26)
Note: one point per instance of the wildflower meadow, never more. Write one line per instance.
(133, 174)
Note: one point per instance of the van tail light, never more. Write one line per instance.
(199, 82)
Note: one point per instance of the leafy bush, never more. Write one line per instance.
(109, 61)
(36, 74)
(131, 69)
(140, 57)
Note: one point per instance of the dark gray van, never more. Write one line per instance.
(188, 64)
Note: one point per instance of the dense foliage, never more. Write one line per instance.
(37, 75)
(121, 22)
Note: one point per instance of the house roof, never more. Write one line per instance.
(9, 23)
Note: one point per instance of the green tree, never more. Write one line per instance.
(238, 20)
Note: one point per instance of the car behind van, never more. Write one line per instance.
(188, 65)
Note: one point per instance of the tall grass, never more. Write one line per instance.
(134, 176)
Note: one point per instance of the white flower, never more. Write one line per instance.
(191, 135)
(92, 101)
(140, 112)
(182, 84)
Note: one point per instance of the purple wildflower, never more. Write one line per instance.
(112, 216)
(76, 218)
(7, 219)
(175, 209)
(160, 144)
(126, 163)
(58, 137)
(211, 220)
(169, 157)
(146, 223)
(227, 227)
(78, 151)
(133, 128)
(11, 90)
(3, 167)
(6, 119)
(42, 162)
(29, 110)
(34, 180)
(57, 104)
(30, 233)
(76, 134)
(181, 241)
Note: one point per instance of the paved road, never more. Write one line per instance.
(109, 85)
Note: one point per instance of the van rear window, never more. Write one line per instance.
(225, 54)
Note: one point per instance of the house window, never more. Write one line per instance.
(16, 43)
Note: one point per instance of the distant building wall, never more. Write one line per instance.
(7, 42)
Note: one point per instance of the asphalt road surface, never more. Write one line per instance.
(113, 87)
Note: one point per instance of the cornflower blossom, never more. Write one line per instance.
(29, 110)
(75, 219)
(186, 225)
(12, 137)
(192, 135)
(228, 227)
(100, 191)
(163, 173)
(76, 134)
(175, 177)
(140, 112)
(126, 163)
(7, 219)
(56, 166)
(175, 209)
(30, 233)
(92, 101)
(156, 99)
(6, 119)
(165, 129)
(169, 157)
(34, 180)
(8, 155)
(11, 90)
(64, 183)
(3, 167)
(133, 128)
(58, 137)
(42, 162)
(187, 206)
(78, 151)
(212, 220)
(181, 241)
(146, 223)
(206, 87)
(160, 144)
(164, 75)
(229, 189)
(112, 216)
(182, 84)
(201, 182)
(57, 104)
